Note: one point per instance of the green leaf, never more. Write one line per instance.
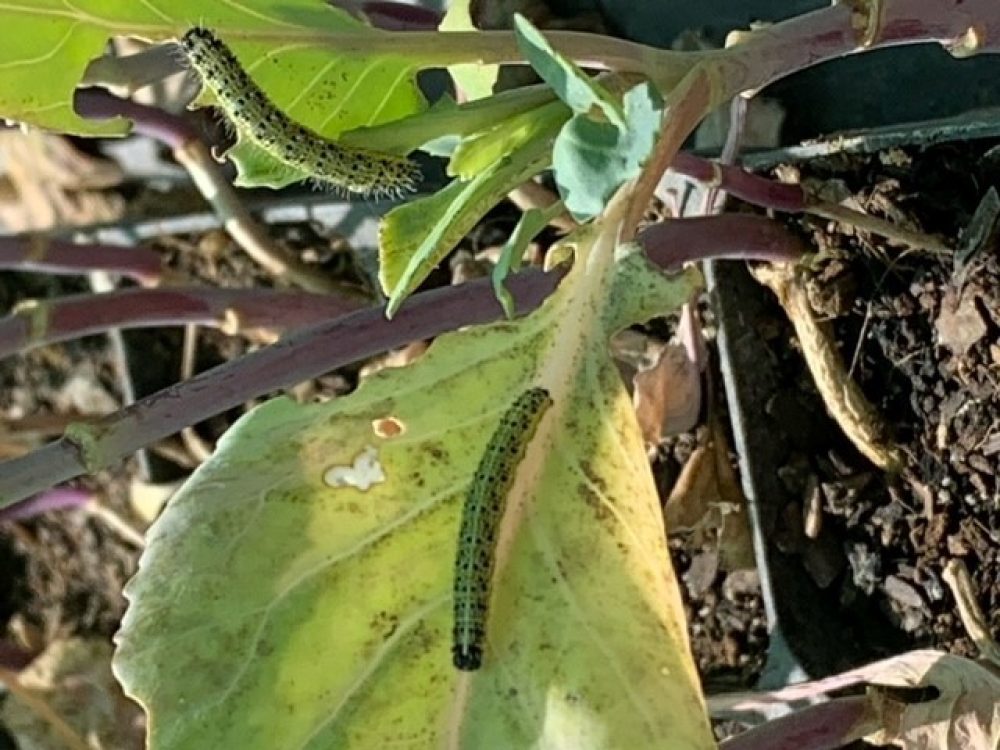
(445, 119)
(274, 609)
(482, 150)
(591, 159)
(48, 44)
(415, 237)
(475, 81)
(570, 83)
(532, 221)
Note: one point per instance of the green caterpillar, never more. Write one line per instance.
(355, 169)
(484, 507)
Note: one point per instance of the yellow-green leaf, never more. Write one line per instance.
(275, 609)
(296, 50)
(475, 81)
(415, 237)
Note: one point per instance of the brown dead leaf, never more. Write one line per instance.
(667, 395)
(959, 325)
(69, 687)
(707, 500)
(51, 184)
(964, 716)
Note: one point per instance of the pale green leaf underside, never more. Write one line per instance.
(48, 43)
(272, 610)
(475, 81)
(591, 159)
(578, 90)
(415, 237)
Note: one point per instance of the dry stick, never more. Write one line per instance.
(843, 398)
(200, 450)
(40, 322)
(122, 528)
(42, 254)
(956, 575)
(40, 707)
(193, 154)
(875, 225)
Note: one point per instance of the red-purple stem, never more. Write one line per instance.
(320, 348)
(301, 355)
(390, 16)
(169, 129)
(825, 726)
(760, 191)
(13, 657)
(45, 502)
(50, 321)
(49, 256)
(674, 242)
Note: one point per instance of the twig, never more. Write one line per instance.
(859, 420)
(43, 710)
(198, 448)
(956, 576)
(861, 220)
(40, 322)
(115, 523)
(51, 256)
(193, 154)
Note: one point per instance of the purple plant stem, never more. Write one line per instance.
(787, 47)
(43, 322)
(672, 243)
(391, 16)
(13, 657)
(169, 129)
(298, 357)
(193, 154)
(826, 726)
(309, 352)
(45, 502)
(44, 255)
(760, 191)
(828, 33)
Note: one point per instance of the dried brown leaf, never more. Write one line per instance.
(964, 716)
(707, 500)
(667, 396)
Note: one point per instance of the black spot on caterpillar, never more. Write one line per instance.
(484, 507)
(257, 118)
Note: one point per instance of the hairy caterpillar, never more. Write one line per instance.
(484, 506)
(355, 169)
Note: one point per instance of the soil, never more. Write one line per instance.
(920, 337)
(884, 540)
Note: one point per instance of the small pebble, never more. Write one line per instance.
(902, 592)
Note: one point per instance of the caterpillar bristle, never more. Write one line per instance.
(326, 162)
